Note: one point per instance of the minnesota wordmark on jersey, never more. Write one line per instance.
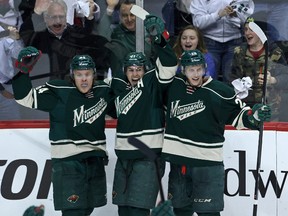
(186, 110)
(90, 115)
(125, 104)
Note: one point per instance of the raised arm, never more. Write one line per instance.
(36, 98)
(167, 61)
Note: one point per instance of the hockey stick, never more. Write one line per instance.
(258, 31)
(153, 157)
(140, 29)
(139, 12)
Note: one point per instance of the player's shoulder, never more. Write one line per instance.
(219, 88)
(101, 84)
(60, 84)
(120, 77)
(180, 76)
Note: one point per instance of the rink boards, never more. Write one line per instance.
(25, 169)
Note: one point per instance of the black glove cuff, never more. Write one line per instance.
(164, 38)
(163, 42)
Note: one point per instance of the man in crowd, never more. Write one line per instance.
(59, 40)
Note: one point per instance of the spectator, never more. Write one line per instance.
(177, 15)
(125, 34)
(249, 60)
(77, 110)
(220, 23)
(198, 108)
(60, 40)
(109, 19)
(10, 46)
(190, 38)
(140, 113)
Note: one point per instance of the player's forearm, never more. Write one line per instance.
(22, 85)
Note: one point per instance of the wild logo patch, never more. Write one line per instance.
(73, 198)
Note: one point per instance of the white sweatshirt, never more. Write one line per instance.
(206, 18)
(9, 48)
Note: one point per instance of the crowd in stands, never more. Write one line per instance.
(107, 32)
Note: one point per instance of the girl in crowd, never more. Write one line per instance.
(191, 38)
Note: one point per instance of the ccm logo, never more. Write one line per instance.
(202, 200)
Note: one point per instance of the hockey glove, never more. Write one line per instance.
(27, 58)
(163, 209)
(259, 113)
(156, 28)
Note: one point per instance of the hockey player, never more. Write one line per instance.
(140, 113)
(77, 122)
(198, 108)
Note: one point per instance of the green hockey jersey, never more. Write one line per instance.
(77, 121)
(139, 109)
(196, 119)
